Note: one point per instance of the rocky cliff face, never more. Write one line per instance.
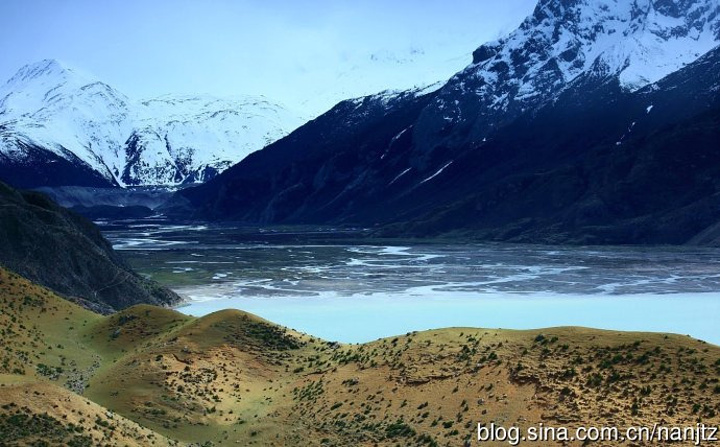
(571, 129)
(65, 252)
(59, 127)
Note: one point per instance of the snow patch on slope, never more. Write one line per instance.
(439, 171)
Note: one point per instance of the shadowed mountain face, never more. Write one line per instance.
(37, 166)
(65, 252)
(598, 164)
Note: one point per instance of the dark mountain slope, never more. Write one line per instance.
(65, 252)
(30, 166)
(660, 187)
(336, 165)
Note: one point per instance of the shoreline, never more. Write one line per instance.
(360, 319)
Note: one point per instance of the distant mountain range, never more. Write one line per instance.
(593, 122)
(59, 127)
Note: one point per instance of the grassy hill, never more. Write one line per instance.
(153, 376)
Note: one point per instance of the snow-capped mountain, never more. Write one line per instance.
(596, 121)
(636, 42)
(53, 114)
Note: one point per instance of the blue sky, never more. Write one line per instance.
(306, 54)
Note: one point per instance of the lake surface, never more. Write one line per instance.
(326, 284)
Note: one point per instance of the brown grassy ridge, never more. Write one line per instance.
(231, 378)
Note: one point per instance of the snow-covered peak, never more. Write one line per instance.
(51, 69)
(46, 76)
(636, 42)
(168, 140)
(563, 44)
(640, 41)
(48, 87)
